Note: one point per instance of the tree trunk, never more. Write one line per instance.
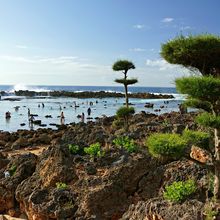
(217, 166)
(126, 95)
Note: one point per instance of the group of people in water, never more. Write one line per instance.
(82, 116)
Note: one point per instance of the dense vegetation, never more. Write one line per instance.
(199, 52)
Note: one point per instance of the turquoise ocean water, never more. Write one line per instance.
(54, 106)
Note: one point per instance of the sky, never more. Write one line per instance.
(76, 42)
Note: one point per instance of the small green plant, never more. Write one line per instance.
(126, 143)
(166, 145)
(125, 113)
(179, 191)
(117, 123)
(94, 150)
(210, 214)
(12, 170)
(74, 149)
(61, 185)
(197, 138)
(165, 123)
(69, 204)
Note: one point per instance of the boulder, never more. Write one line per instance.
(20, 167)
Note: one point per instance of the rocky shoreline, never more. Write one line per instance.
(118, 185)
(87, 94)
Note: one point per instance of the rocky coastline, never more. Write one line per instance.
(88, 94)
(118, 185)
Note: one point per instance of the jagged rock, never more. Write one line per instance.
(163, 210)
(3, 161)
(23, 167)
(19, 143)
(55, 165)
(97, 187)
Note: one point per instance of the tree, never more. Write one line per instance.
(200, 52)
(204, 93)
(124, 66)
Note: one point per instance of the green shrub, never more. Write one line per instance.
(197, 138)
(74, 149)
(126, 143)
(208, 120)
(12, 170)
(117, 123)
(94, 150)
(166, 145)
(61, 185)
(124, 112)
(210, 213)
(179, 191)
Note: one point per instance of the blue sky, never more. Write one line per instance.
(75, 42)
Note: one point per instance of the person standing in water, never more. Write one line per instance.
(83, 117)
(62, 118)
(89, 111)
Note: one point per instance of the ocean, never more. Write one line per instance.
(54, 106)
(11, 88)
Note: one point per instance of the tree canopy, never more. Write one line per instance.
(126, 81)
(123, 65)
(203, 88)
(200, 52)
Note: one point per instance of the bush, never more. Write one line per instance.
(179, 191)
(125, 112)
(166, 145)
(117, 123)
(208, 120)
(12, 170)
(61, 185)
(197, 138)
(74, 149)
(94, 150)
(126, 143)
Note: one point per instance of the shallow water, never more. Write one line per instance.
(106, 106)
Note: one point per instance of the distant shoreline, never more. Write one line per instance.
(89, 94)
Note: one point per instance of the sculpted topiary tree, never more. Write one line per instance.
(124, 66)
(201, 52)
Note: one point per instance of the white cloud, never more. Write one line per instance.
(137, 49)
(65, 70)
(161, 64)
(167, 20)
(139, 26)
(185, 28)
(21, 46)
(52, 60)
